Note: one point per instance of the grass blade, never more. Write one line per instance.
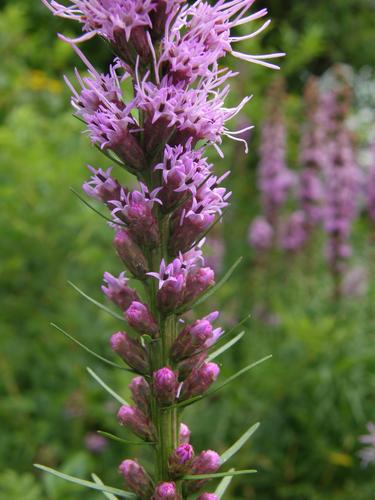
(219, 474)
(124, 441)
(238, 444)
(226, 346)
(223, 485)
(87, 349)
(88, 484)
(106, 387)
(95, 302)
(99, 481)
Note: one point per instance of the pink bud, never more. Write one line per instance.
(165, 386)
(191, 339)
(207, 462)
(166, 491)
(130, 253)
(141, 394)
(140, 318)
(186, 366)
(199, 380)
(197, 283)
(131, 351)
(136, 478)
(180, 460)
(208, 496)
(184, 434)
(136, 421)
(170, 295)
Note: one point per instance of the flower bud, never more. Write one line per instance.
(165, 386)
(131, 351)
(166, 491)
(191, 339)
(136, 478)
(207, 462)
(184, 434)
(180, 460)
(208, 496)
(197, 283)
(199, 380)
(118, 290)
(169, 296)
(141, 394)
(136, 421)
(140, 318)
(186, 366)
(130, 254)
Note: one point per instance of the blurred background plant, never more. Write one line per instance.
(314, 398)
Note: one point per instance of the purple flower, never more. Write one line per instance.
(137, 422)
(95, 443)
(166, 491)
(207, 462)
(199, 380)
(184, 434)
(118, 290)
(141, 319)
(293, 232)
(102, 186)
(367, 454)
(136, 478)
(141, 394)
(370, 185)
(180, 460)
(208, 496)
(131, 351)
(260, 233)
(165, 386)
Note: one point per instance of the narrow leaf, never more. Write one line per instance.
(95, 302)
(87, 349)
(189, 402)
(105, 387)
(238, 444)
(212, 289)
(82, 199)
(226, 346)
(238, 374)
(124, 441)
(240, 323)
(219, 474)
(87, 484)
(223, 485)
(99, 481)
(110, 157)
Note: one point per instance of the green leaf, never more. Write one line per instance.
(212, 289)
(238, 374)
(87, 349)
(81, 198)
(87, 484)
(99, 481)
(226, 346)
(106, 388)
(219, 474)
(189, 402)
(95, 302)
(238, 444)
(223, 485)
(124, 441)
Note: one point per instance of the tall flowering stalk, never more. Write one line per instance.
(169, 52)
(274, 177)
(341, 180)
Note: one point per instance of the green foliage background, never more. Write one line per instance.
(316, 394)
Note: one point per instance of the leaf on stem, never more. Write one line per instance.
(87, 349)
(106, 387)
(238, 444)
(223, 485)
(212, 289)
(124, 441)
(99, 481)
(219, 474)
(81, 198)
(95, 302)
(226, 346)
(87, 484)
